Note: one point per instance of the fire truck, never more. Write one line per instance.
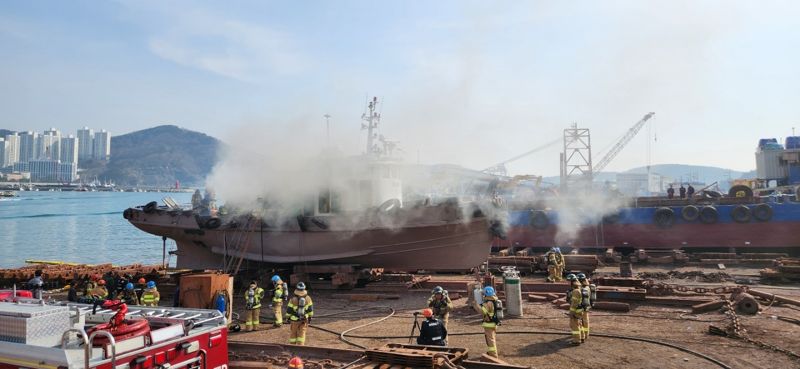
(39, 335)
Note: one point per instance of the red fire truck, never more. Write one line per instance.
(35, 334)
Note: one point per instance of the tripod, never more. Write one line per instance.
(414, 326)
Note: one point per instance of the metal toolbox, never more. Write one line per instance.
(32, 324)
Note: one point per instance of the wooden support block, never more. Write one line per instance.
(612, 306)
(537, 298)
(708, 306)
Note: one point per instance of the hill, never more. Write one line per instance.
(705, 174)
(157, 156)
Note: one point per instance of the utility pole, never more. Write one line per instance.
(371, 118)
(328, 128)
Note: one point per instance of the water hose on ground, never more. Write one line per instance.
(343, 335)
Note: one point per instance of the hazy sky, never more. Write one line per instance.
(470, 83)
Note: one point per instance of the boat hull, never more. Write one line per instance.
(443, 245)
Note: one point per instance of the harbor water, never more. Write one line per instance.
(84, 227)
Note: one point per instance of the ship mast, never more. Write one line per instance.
(371, 119)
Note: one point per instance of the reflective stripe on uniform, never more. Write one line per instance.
(491, 349)
(489, 325)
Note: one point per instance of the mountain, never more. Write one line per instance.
(157, 156)
(678, 172)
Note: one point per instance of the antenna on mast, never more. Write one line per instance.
(371, 119)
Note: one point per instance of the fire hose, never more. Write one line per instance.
(343, 337)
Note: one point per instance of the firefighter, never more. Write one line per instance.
(575, 309)
(252, 306)
(552, 265)
(141, 285)
(100, 292)
(128, 295)
(278, 295)
(560, 264)
(432, 332)
(300, 310)
(90, 285)
(440, 304)
(489, 308)
(295, 363)
(589, 295)
(150, 295)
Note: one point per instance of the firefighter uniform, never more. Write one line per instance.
(490, 321)
(150, 296)
(552, 266)
(252, 306)
(129, 297)
(588, 294)
(441, 305)
(560, 264)
(278, 294)
(576, 310)
(89, 287)
(299, 310)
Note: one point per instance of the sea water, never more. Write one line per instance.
(82, 227)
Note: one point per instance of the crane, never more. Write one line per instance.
(612, 153)
(500, 168)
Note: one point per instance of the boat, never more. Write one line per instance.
(752, 217)
(373, 223)
(8, 194)
(70, 335)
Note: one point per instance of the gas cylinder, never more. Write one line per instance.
(513, 289)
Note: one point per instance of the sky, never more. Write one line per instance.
(461, 82)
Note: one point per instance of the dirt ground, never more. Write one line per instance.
(519, 344)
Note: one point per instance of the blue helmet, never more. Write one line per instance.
(301, 286)
(488, 291)
(151, 284)
(275, 278)
(129, 286)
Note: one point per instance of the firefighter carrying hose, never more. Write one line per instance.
(252, 306)
(588, 292)
(490, 309)
(440, 304)
(278, 296)
(300, 310)
(576, 309)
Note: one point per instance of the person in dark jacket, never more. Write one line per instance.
(690, 191)
(670, 192)
(432, 332)
(682, 191)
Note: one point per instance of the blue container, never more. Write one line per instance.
(794, 174)
(792, 142)
(764, 141)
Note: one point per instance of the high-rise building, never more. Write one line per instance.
(11, 154)
(52, 171)
(85, 143)
(69, 149)
(27, 146)
(2, 152)
(102, 145)
(49, 147)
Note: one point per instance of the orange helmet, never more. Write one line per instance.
(142, 281)
(102, 282)
(296, 363)
(427, 313)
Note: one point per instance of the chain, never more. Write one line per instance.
(737, 331)
(281, 360)
(661, 289)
